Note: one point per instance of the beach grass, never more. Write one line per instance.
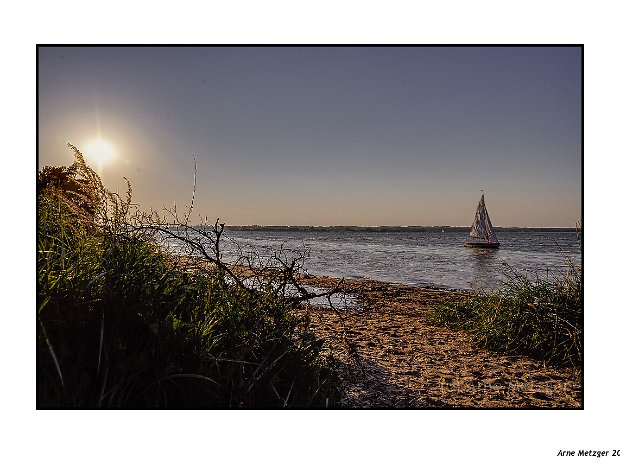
(542, 318)
(122, 323)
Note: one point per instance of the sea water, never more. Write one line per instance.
(412, 256)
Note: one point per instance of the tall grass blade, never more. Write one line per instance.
(52, 353)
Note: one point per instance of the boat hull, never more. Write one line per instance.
(484, 245)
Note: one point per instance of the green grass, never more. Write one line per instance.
(122, 324)
(542, 318)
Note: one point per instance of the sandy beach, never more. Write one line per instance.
(390, 356)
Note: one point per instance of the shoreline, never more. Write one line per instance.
(388, 355)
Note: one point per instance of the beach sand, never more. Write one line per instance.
(389, 356)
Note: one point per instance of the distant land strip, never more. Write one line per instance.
(386, 228)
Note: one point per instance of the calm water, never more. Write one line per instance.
(412, 257)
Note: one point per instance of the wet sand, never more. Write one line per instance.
(390, 356)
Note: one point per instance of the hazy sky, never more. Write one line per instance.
(326, 136)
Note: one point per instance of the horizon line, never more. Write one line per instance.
(385, 226)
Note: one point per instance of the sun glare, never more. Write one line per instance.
(100, 152)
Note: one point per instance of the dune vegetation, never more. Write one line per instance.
(539, 317)
(123, 323)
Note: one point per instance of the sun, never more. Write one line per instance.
(99, 151)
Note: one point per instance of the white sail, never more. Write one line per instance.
(482, 228)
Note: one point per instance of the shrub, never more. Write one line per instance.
(122, 323)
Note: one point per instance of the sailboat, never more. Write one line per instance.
(482, 228)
